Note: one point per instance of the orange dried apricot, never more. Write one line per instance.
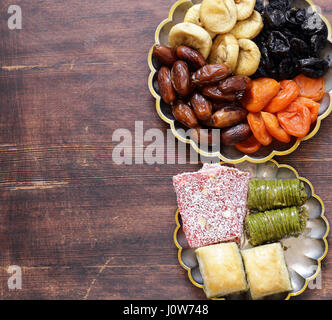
(296, 119)
(273, 127)
(262, 91)
(313, 89)
(258, 128)
(312, 105)
(288, 93)
(249, 146)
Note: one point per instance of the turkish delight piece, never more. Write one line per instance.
(212, 204)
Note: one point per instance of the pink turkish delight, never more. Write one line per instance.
(212, 204)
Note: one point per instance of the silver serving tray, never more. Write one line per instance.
(230, 154)
(303, 254)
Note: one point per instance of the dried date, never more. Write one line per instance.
(235, 84)
(210, 74)
(217, 105)
(194, 59)
(180, 76)
(214, 93)
(237, 134)
(165, 55)
(184, 114)
(202, 107)
(166, 89)
(228, 116)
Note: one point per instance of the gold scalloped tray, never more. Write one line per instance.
(303, 254)
(230, 154)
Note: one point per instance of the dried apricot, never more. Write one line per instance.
(312, 105)
(296, 119)
(258, 128)
(311, 88)
(262, 91)
(248, 146)
(273, 127)
(288, 93)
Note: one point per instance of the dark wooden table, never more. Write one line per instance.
(80, 226)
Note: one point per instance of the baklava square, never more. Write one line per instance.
(222, 269)
(266, 270)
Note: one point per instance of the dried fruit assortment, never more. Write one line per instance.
(291, 41)
(204, 73)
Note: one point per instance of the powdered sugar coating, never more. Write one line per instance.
(212, 204)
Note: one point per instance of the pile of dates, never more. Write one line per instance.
(203, 95)
(291, 41)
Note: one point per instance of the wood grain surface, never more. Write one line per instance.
(80, 226)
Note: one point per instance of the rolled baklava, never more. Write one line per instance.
(274, 225)
(272, 194)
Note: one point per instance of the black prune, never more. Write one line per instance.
(295, 17)
(259, 6)
(261, 73)
(291, 41)
(318, 43)
(267, 67)
(261, 38)
(278, 44)
(265, 52)
(313, 67)
(267, 60)
(264, 35)
(274, 19)
(290, 34)
(301, 15)
(282, 5)
(299, 48)
(296, 33)
(271, 68)
(288, 69)
(314, 24)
